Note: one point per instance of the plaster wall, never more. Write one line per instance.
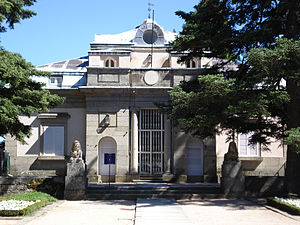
(270, 162)
(175, 64)
(141, 59)
(94, 60)
(25, 157)
(124, 61)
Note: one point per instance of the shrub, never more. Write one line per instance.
(283, 206)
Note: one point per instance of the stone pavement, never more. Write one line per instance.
(228, 212)
(160, 212)
(155, 212)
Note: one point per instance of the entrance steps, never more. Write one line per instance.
(153, 190)
(149, 179)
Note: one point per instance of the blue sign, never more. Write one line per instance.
(109, 158)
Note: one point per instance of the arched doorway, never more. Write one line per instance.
(194, 150)
(107, 145)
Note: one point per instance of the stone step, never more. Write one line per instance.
(147, 180)
(146, 190)
(146, 186)
(134, 196)
(155, 191)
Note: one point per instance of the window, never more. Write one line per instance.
(191, 64)
(56, 81)
(150, 36)
(110, 63)
(244, 146)
(53, 140)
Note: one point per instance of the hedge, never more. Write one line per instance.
(283, 206)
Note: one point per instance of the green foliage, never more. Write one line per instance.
(19, 94)
(262, 39)
(213, 104)
(13, 11)
(270, 65)
(199, 106)
(293, 138)
(229, 29)
(283, 206)
(32, 196)
(213, 33)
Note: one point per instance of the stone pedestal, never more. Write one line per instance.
(233, 180)
(75, 181)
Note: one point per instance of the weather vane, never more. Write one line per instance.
(149, 8)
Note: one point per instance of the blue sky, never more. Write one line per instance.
(63, 29)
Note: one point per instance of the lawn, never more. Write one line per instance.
(21, 204)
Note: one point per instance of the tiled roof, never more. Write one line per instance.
(71, 65)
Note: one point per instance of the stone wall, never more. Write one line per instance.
(264, 186)
(262, 166)
(50, 185)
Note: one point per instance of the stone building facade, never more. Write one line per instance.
(110, 108)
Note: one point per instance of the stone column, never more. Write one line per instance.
(168, 146)
(134, 141)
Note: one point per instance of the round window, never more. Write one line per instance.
(150, 36)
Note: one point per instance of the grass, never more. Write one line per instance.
(32, 196)
(44, 199)
(283, 206)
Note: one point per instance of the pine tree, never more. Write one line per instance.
(262, 39)
(19, 93)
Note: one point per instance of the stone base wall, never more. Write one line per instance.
(51, 185)
(264, 166)
(264, 186)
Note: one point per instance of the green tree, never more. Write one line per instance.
(215, 103)
(19, 93)
(245, 32)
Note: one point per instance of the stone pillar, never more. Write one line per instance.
(134, 141)
(168, 146)
(75, 181)
(168, 154)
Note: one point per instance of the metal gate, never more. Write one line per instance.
(151, 142)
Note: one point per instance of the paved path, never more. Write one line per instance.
(228, 212)
(154, 212)
(87, 213)
(160, 212)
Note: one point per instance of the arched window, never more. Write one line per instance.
(109, 63)
(191, 64)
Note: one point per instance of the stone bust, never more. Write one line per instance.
(232, 154)
(76, 153)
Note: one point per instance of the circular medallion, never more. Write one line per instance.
(151, 77)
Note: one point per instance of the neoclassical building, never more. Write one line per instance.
(110, 108)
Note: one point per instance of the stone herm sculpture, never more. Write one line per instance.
(75, 179)
(232, 154)
(232, 180)
(76, 153)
